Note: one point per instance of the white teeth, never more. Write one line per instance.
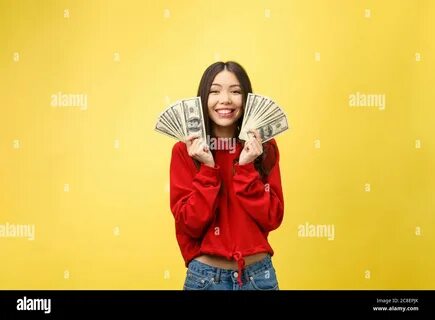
(224, 111)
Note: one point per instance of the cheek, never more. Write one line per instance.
(238, 101)
(211, 103)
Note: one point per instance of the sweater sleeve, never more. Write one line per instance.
(193, 194)
(263, 201)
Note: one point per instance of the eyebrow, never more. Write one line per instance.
(233, 85)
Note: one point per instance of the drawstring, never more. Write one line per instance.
(240, 265)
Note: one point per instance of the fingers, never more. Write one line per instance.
(196, 147)
(257, 135)
(256, 147)
(254, 142)
(192, 142)
(189, 140)
(253, 147)
(254, 134)
(193, 145)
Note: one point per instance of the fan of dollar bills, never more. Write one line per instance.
(265, 116)
(182, 119)
(185, 117)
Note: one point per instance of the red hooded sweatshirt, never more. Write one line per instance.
(227, 210)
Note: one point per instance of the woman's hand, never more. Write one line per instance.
(198, 150)
(252, 149)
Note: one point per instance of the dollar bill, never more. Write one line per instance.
(271, 129)
(262, 114)
(193, 117)
(182, 119)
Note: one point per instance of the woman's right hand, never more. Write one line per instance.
(198, 150)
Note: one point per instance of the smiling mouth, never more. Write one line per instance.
(225, 112)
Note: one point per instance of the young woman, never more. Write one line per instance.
(225, 202)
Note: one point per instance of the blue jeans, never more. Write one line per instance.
(257, 276)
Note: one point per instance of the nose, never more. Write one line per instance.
(225, 98)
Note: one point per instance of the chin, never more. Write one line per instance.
(224, 123)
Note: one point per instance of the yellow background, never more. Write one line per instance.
(114, 229)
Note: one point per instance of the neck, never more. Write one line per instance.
(224, 132)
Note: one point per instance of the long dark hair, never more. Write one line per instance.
(262, 166)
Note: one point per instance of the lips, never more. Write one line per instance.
(225, 112)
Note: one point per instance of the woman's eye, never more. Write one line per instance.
(214, 91)
(238, 92)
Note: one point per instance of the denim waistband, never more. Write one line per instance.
(248, 271)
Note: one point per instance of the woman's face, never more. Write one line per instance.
(225, 99)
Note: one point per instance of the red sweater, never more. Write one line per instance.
(227, 210)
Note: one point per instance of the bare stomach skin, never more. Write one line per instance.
(223, 263)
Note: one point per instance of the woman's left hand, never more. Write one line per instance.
(252, 149)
